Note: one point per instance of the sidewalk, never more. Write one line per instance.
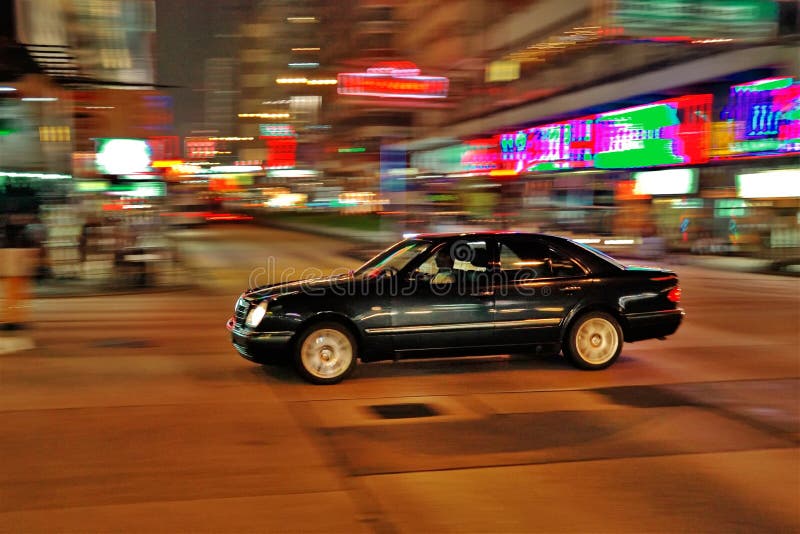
(174, 276)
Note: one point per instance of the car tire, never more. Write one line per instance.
(594, 341)
(325, 353)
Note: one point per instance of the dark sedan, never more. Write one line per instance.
(460, 294)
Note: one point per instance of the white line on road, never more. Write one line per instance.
(15, 344)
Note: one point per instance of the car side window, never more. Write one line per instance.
(451, 260)
(524, 259)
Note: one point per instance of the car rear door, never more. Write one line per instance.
(536, 289)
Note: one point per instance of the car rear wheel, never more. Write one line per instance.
(325, 353)
(594, 341)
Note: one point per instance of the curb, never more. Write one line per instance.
(112, 292)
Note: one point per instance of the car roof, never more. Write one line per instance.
(594, 261)
(435, 236)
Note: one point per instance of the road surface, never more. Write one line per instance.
(132, 413)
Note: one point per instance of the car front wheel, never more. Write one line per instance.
(325, 353)
(594, 341)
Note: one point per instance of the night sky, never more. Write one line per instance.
(188, 33)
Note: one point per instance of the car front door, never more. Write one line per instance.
(536, 288)
(447, 301)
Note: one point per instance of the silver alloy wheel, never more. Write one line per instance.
(326, 353)
(596, 341)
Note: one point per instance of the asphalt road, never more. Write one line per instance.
(133, 413)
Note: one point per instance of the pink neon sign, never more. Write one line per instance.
(392, 80)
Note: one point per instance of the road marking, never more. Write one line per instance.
(15, 344)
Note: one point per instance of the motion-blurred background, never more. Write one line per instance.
(644, 127)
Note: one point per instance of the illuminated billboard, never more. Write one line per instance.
(276, 130)
(200, 148)
(554, 146)
(481, 154)
(765, 117)
(665, 182)
(778, 183)
(399, 79)
(281, 152)
(694, 20)
(669, 132)
(122, 156)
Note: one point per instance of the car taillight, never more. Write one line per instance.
(674, 295)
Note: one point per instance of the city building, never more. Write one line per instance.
(282, 83)
(560, 110)
(221, 95)
(94, 65)
(362, 38)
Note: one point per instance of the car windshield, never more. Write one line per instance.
(394, 259)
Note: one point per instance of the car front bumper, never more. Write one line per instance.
(259, 346)
(652, 325)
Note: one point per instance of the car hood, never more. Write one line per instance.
(295, 286)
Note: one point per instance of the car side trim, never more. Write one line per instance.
(427, 328)
(528, 322)
(653, 314)
(462, 326)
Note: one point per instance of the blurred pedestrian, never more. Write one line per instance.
(88, 241)
(18, 258)
(36, 236)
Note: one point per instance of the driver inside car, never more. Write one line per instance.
(444, 264)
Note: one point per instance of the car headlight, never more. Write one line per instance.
(256, 314)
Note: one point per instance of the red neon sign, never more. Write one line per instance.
(393, 80)
(482, 154)
(281, 152)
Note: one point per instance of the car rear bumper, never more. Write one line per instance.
(650, 325)
(259, 346)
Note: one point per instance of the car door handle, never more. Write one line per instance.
(569, 289)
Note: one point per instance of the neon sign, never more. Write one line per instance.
(200, 148)
(560, 145)
(281, 152)
(276, 130)
(481, 154)
(399, 79)
(766, 116)
(669, 132)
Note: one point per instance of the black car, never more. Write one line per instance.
(460, 294)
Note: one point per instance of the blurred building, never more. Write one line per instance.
(362, 35)
(78, 107)
(221, 95)
(282, 82)
(561, 110)
(119, 113)
(93, 67)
